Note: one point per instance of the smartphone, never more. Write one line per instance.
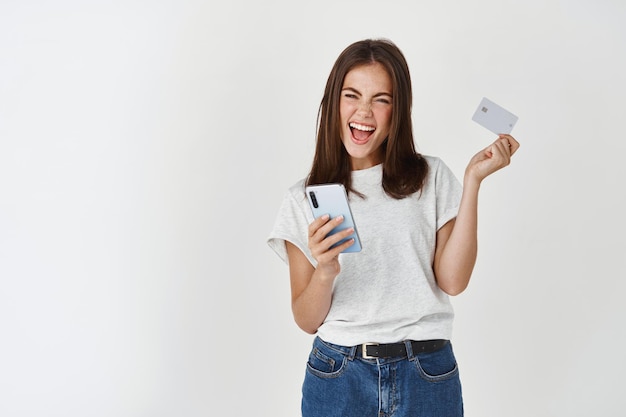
(332, 199)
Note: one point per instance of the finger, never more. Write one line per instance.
(325, 229)
(334, 252)
(321, 240)
(325, 251)
(317, 223)
(512, 143)
(500, 149)
(345, 245)
(331, 240)
(504, 145)
(505, 141)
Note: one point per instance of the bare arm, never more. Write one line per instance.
(457, 242)
(311, 288)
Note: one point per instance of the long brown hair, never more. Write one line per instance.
(404, 169)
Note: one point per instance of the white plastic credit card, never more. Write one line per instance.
(494, 117)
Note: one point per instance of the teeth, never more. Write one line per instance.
(362, 127)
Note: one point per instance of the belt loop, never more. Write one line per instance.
(352, 352)
(409, 349)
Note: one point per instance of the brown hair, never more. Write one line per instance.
(404, 169)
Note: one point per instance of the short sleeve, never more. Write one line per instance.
(292, 223)
(448, 191)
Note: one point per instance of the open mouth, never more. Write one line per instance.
(361, 133)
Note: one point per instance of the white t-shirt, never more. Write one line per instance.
(387, 292)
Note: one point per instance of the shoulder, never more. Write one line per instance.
(293, 212)
(436, 165)
(295, 196)
(297, 189)
(433, 161)
(438, 171)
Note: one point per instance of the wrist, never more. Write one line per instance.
(471, 181)
(324, 277)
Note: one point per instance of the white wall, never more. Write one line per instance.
(144, 150)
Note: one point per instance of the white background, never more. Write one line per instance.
(145, 147)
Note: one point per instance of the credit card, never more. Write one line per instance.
(494, 117)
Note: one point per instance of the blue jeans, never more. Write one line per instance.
(340, 384)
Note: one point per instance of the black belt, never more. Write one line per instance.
(396, 350)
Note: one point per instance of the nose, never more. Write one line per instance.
(364, 109)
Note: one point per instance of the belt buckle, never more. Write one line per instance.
(364, 354)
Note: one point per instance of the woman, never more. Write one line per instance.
(382, 316)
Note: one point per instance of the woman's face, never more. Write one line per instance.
(365, 112)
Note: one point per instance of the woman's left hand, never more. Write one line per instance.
(494, 157)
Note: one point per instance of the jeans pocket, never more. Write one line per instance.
(325, 362)
(437, 366)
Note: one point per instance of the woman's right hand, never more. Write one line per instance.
(320, 244)
(312, 287)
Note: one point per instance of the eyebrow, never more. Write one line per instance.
(382, 93)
